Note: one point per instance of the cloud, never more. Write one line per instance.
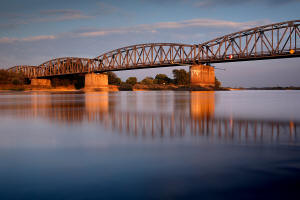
(106, 9)
(4, 27)
(60, 12)
(144, 28)
(202, 23)
(61, 15)
(13, 20)
(214, 3)
(154, 28)
(103, 32)
(27, 39)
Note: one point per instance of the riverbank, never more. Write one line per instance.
(136, 87)
(35, 88)
(153, 87)
(70, 88)
(274, 88)
(126, 87)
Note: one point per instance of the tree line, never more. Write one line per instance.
(14, 78)
(181, 77)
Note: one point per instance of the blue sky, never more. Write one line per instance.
(34, 31)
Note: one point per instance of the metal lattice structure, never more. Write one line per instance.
(264, 42)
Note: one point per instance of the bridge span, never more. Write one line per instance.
(273, 41)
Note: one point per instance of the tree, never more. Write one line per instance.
(217, 83)
(162, 79)
(113, 79)
(7, 77)
(125, 87)
(181, 77)
(131, 80)
(147, 81)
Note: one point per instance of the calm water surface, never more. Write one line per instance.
(150, 145)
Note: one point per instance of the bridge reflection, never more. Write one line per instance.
(169, 116)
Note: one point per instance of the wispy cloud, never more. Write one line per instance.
(203, 23)
(105, 8)
(13, 20)
(60, 12)
(154, 28)
(7, 26)
(61, 15)
(27, 39)
(144, 28)
(214, 3)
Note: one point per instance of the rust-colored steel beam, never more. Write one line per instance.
(272, 41)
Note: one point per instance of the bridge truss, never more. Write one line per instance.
(264, 42)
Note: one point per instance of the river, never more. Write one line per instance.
(150, 145)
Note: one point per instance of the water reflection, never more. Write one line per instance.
(163, 115)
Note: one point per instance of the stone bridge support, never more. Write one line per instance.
(96, 81)
(41, 82)
(202, 75)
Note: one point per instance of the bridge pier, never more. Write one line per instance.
(202, 75)
(41, 82)
(94, 81)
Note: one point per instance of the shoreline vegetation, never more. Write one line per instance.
(17, 82)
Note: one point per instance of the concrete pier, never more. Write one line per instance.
(96, 81)
(202, 75)
(41, 82)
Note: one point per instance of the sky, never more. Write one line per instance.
(35, 31)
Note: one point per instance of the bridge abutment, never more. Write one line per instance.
(94, 81)
(41, 82)
(202, 75)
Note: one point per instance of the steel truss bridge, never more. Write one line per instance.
(264, 42)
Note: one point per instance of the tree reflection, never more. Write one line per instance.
(190, 117)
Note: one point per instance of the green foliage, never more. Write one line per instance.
(125, 87)
(131, 80)
(181, 77)
(16, 81)
(113, 79)
(11, 78)
(78, 82)
(60, 82)
(162, 79)
(217, 83)
(147, 81)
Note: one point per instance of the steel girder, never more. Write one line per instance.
(264, 42)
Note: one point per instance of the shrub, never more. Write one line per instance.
(181, 77)
(131, 80)
(147, 81)
(113, 79)
(16, 81)
(11, 78)
(162, 79)
(217, 83)
(125, 87)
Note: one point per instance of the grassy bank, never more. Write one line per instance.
(173, 87)
(12, 87)
(124, 87)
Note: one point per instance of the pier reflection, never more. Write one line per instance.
(191, 115)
